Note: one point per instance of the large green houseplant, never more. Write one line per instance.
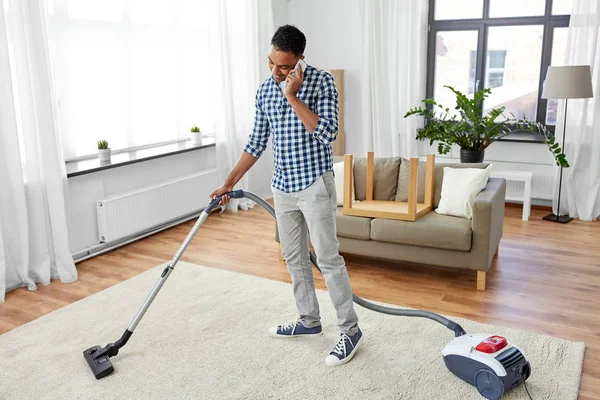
(473, 131)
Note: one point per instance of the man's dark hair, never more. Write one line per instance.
(288, 38)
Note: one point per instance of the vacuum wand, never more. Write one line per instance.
(97, 357)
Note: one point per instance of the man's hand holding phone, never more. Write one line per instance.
(295, 79)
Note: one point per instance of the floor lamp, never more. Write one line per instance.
(571, 82)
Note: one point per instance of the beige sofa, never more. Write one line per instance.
(433, 239)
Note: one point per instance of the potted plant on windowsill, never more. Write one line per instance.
(103, 150)
(196, 136)
(473, 131)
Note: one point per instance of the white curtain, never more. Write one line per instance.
(581, 182)
(33, 223)
(394, 73)
(240, 35)
(132, 72)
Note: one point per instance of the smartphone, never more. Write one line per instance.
(301, 64)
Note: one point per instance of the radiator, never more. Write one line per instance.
(542, 184)
(128, 213)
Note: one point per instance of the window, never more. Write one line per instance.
(133, 72)
(503, 45)
(495, 63)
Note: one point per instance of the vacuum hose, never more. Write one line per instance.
(453, 326)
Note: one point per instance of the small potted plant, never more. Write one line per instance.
(103, 150)
(473, 131)
(196, 136)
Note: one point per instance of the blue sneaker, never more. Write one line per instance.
(295, 329)
(344, 350)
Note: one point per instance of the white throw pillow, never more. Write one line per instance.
(459, 189)
(338, 171)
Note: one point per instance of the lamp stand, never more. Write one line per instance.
(553, 217)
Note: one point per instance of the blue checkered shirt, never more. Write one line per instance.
(300, 157)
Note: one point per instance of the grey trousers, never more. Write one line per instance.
(312, 212)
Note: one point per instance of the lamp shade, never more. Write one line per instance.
(570, 82)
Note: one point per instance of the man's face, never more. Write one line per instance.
(281, 63)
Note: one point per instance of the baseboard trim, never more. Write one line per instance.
(533, 206)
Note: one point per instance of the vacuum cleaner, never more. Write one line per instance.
(488, 362)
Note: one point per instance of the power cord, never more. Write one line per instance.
(525, 384)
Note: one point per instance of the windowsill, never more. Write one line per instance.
(82, 167)
(522, 137)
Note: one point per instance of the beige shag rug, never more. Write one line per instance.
(205, 337)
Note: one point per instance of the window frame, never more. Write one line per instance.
(481, 26)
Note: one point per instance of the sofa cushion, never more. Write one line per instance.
(404, 172)
(385, 178)
(459, 189)
(431, 230)
(403, 181)
(352, 227)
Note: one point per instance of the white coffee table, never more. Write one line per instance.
(519, 176)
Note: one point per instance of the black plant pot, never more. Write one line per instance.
(471, 156)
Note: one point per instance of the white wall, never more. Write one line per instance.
(333, 42)
(333, 32)
(280, 12)
(85, 190)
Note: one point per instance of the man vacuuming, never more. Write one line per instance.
(299, 107)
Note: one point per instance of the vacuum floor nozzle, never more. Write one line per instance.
(101, 366)
(98, 358)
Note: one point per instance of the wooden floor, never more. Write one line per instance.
(546, 278)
